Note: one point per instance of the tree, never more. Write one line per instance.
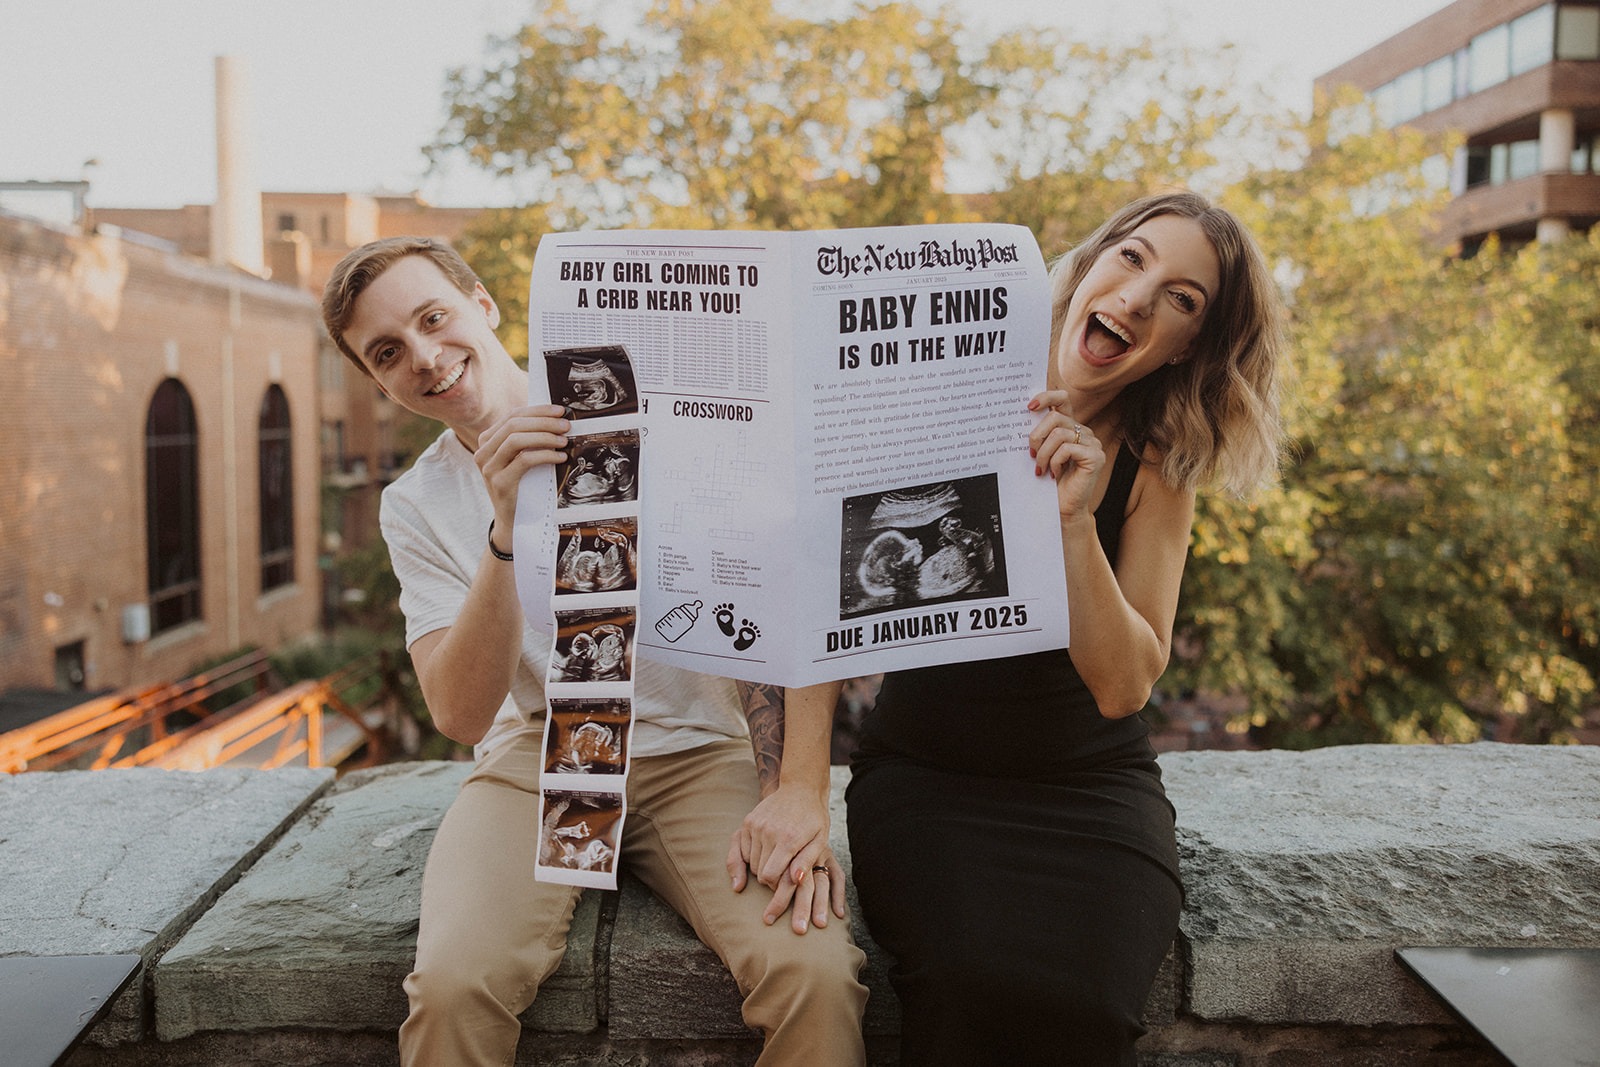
(1079, 130)
(1421, 573)
(500, 245)
(736, 113)
(728, 113)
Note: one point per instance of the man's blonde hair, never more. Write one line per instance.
(363, 266)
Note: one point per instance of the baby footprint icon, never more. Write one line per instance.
(725, 619)
(747, 635)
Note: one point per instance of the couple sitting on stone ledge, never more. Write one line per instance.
(1027, 908)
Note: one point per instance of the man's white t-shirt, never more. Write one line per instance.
(435, 519)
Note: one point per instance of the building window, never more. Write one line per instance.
(1477, 166)
(286, 224)
(172, 507)
(1586, 156)
(1577, 32)
(332, 447)
(1407, 96)
(72, 667)
(1438, 83)
(1463, 67)
(1529, 41)
(1499, 164)
(1524, 159)
(331, 363)
(1489, 57)
(1533, 39)
(1383, 103)
(277, 491)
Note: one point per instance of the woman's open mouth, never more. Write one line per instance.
(1104, 339)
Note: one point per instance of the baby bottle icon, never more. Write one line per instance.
(675, 623)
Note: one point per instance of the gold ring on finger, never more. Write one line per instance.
(1077, 435)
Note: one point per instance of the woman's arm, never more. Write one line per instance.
(1122, 621)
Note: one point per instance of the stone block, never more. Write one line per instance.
(122, 861)
(1306, 870)
(655, 957)
(1161, 1007)
(335, 906)
(663, 979)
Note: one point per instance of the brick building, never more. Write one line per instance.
(1521, 80)
(160, 472)
(306, 234)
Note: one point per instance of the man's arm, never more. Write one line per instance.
(785, 837)
(466, 669)
(763, 710)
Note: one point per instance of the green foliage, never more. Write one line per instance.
(500, 245)
(1085, 129)
(726, 114)
(376, 607)
(319, 657)
(1423, 572)
(222, 698)
(377, 618)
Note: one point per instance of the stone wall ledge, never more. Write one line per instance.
(276, 911)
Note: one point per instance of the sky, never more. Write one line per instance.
(341, 95)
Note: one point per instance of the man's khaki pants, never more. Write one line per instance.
(490, 933)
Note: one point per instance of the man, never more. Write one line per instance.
(412, 315)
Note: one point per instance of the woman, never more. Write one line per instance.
(1010, 839)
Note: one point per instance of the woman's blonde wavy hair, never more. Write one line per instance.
(1212, 419)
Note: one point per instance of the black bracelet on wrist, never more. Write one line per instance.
(494, 550)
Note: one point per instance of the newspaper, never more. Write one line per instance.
(837, 479)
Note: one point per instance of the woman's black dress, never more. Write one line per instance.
(1014, 853)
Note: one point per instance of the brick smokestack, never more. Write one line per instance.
(236, 216)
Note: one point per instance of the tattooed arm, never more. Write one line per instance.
(785, 837)
(763, 710)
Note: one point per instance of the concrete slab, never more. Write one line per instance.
(1305, 870)
(335, 904)
(113, 862)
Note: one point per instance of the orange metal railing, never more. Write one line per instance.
(92, 734)
(269, 729)
(292, 718)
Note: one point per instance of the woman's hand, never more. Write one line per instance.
(529, 437)
(1069, 451)
(783, 844)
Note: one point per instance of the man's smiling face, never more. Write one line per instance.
(430, 347)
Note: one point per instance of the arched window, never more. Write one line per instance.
(172, 507)
(277, 491)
